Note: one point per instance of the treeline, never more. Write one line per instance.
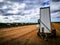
(6, 25)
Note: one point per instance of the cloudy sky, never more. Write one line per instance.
(27, 10)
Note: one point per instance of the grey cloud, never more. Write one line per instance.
(29, 5)
(2, 4)
(58, 17)
(55, 0)
(2, 11)
(17, 19)
(20, 1)
(54, 11)
(34, 2)
(6, 18)
(8, 14)
(55, 7)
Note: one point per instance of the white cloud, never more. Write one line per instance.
(16, 7)
(33, 14)
(13, 11)
(27, 11)
(2, 20)
(30, 14)
(55, 15)
(55, 6)
(4, 7)
(1, 0)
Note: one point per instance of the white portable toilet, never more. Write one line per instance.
(45, 23)
(45, 19)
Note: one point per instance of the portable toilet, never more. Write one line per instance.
(45, 21)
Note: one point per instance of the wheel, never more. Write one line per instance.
(53, 33)
(38, 34)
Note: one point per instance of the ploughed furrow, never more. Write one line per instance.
(14, 34)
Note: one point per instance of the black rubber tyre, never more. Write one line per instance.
(38, 33)
(53, 33)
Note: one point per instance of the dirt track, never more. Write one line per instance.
(26, 35)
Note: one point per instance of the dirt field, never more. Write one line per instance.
(26, 35)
